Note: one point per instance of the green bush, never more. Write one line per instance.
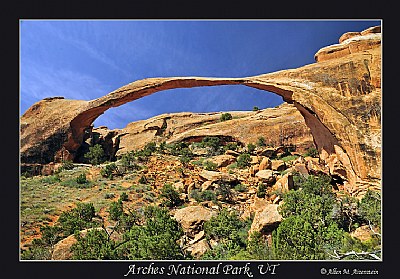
(81, 179)
(309, 230)
(78, 182)
(116, 210)
(124, 196)
(251, 147)
(243, 160)
(95, 154)
(76, 219)
(213, 143)
(370, 208)
(170, 195)
(225, 116)
(241, 188)
(261, 190)
(51, 179)
(255, 108)
(67, 165)
(312, 152)
(298, 239)
(227, 226)
(201, 196)
(231, 146)
(95, 245)
(261, 142)
(210, 166)
(109, 171)
(155, 239)
(225, 190)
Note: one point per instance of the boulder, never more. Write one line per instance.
(301, 169)
(223, 160)
(265, 164)
(192, 218)
(266, 219)
(217, 176)
(199, 248)
(266, 176)
(285, 183)
(254, 160)
(278, 165)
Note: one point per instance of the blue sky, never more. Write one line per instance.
(87, 59)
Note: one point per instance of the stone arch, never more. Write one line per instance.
(336, 114)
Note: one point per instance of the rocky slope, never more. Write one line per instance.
(339, 98)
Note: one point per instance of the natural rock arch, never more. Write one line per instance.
(339, 98)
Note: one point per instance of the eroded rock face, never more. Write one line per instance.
(339, 98)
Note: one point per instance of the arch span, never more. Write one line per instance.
(338, 99)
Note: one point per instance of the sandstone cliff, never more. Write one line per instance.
(339, 98)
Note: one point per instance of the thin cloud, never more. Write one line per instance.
(77, 41)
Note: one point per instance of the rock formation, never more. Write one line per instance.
(339, 97)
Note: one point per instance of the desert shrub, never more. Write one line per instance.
(213, 143)
(81, 179)
(109, 195)
(370, 208)
(251, 147)
(261, 190)
(298, 239)
(243, 160)
(241, 188)
(261, 142)
(67, 165)
(314, 201)
(227, 226)
(128, 162)
(289, 158)
(225, 116)
(227, 250)
(210, 166)
(255, 108)
(124, 196)
(116, 210)
(231, 146)
(176, 148)
(37, 252)
(312, 152)
(78, 182)
(143, 180)
(95, 245)
(51, 179)
(206, 195)
(76, 219)
(309, 229)
(170, 196)
(225, 190)
(95, 154)
(155, 239)
(109, 171)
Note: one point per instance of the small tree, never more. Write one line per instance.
(226, 116)
(251, 147)
(255, 108)
(243, 160)
(116, 210)
(170, 195)
(261, 142)
(95, 155)
(210, 166)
